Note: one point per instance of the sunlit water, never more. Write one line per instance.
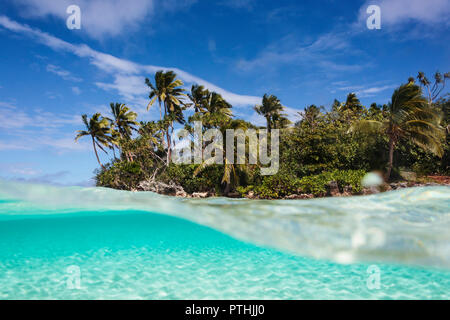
(93, 243)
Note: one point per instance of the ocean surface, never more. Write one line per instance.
(95, 243)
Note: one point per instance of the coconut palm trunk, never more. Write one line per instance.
(269, 126)
(227, 188)
(96, 153)
(391, 157)
(167, 90)
(169, 147)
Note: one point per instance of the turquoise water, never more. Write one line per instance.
(125, 245)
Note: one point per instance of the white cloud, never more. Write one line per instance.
(24, 171)
(321, 53)
(8, 146)
(365, 91)
(374, 90)
(128, 86)
(39, 139)
(122, 70)
(395, 12)
(103, 18)
(36, 129)
(330, 51)
(99, 18)
(48, 178)
(6, 105)
(64, 144)
(64, 74)
(21, 168)
(13, 118)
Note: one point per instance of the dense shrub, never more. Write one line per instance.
(278, 186)
(318, 184)
(183, 175)
(283, 184)
(305, 151)
(120, 175)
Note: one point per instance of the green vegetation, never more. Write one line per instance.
(325, 148)
(410, 117)
(98, 128)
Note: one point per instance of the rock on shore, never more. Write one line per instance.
(162, 188)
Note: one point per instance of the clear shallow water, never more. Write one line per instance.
(125, 250)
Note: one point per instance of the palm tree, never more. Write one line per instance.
(336, 105)
(230, 176)
(98, 128)
(215, 111)
(168, 91)
(198, 97)
(280, 121)
(409, 116)
(352, 103)
(124, 120)
(216, 104)
(122, 125)
(115, 141)
(229, 172)
(151, 130)
(157, 91)
(270, 109)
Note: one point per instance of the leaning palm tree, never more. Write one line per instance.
(168, 91)
(122, 125)
(270, 109)
(410, 117)
(98, 128)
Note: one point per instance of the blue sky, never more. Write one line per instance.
(305, 52)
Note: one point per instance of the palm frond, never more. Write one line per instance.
(428, 142)
(208, 162)
(367, 126)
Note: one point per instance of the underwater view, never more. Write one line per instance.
(94, 243)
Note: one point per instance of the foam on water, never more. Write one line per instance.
(134, 245)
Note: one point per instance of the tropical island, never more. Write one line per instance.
(327, 152)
